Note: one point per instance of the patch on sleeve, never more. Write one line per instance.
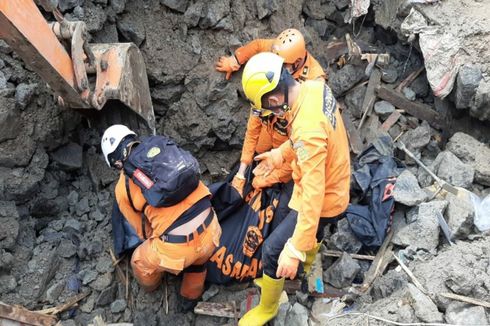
(329, 106)
(301, 152)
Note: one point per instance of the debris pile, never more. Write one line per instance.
(56, 191)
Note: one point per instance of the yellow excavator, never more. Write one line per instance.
(106, 82)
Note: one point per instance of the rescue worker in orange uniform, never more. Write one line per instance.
(264, 130)
(175, 239)
(319, 151)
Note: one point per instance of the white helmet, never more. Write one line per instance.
(112, 137)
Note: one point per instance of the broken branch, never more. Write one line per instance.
(24, 316)
(370, 97)
(65, 306)
(335, 253)
(466, 299)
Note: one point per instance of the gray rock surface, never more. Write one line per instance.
(472, 152)
(298, 315)
(343, 79)
(425, 309)
(281, 318)
(409, 93)
(344, 239)
(23, 94)
(9, 219)
(407, 190)
(342, 272)
(450, 168)
(467, 82)
(417, 138)
(460, 215)
(70, 156)
(118, 306)
(178, 5)
(424, 232)
(354, 99)
(383, 109)
(460, 313)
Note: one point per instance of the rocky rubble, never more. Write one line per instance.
(56, 191)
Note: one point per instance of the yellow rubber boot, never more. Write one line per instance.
(269, 303)
(258, 282)
(310, 258)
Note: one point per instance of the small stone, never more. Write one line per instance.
(72, 225)
(354, 99)
(448, 167)
(177, 5)
(280, 319)
(88, 276)
(460, 214)
(302, 297)
(89, 304)
(9, 220)
(83, 206)
(67, 249)
(118, 5)
(118, 306)
(389, 75)
(3, 81)
(344, 79)
(23, 94)
(467, 82)
(417, 138)
(193, 14)
(213, 12)
(211, 292)
(54, 291)
(69, 157)
(407, 190)
(102, 282)
(66, 5)
(384, 109)
(106, 296)
(4, 47)
(97, 215)
(409, 93)
(265, 8)
(342, 272)
(132, 30)
(459, 313)
(297, 316)
(7, 284)
(104, 264)
(425, 309)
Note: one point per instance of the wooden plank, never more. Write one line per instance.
(355, 141)
(466, 299)
(336, 253)
(418, 110)
(381, 261)
(24, 316)
(216, 309)
(370, 96)
(409, 80)
(391, 120)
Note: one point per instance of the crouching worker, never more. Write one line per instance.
(160, 198)
(319, 150)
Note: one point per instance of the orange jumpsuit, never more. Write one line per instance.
(321, 164)
(154, 256)
(265, 133)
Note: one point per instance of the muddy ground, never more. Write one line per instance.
(56, 191)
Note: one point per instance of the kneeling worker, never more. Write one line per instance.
(178, 236)
(264, 130)
(319, 150)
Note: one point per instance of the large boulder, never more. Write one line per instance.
(460, 214)
(342, 272)
(407, 190)
(450, 168)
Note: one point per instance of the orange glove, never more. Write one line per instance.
(269, 161)
(289, 261)
(260, 182)
(228, 65)
(238, 183)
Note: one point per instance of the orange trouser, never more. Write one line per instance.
(154, 256)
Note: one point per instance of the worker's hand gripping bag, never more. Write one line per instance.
(245, 223)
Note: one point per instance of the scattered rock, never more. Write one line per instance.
(88, 276)
(4, 47)
(118, 5)
(480, 102)
(9, 218)
(298, 315)
(118, 306)
(7, 284)
(471, 151)
(54, 291)
(344, 79)
(23, 94)
(460, 215)
(420, 86)
(10, 121)
(385, 286)
(459, 313)
(106, 296)
(342, 272)
(211, 292)
(213, 12)
(467, 82)
(417, 138)
(318, 10)
(266, 8)
(178, 5)
(132, 30)
(66, 5)
(424, 232)
(67, 249)
(425, 309)
(354, 99)
(89, 304)
(384, 109)
(448, 167)
(389, 75)
(407, 190)
(70, 156)
(3, 80)
(193, 14)
(344, 239)
(280, 319)
(409, 93)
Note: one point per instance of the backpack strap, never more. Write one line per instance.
(143, 216)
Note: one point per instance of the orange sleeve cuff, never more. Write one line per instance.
(244, 53)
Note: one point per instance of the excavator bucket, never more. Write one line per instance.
(121, 83)
(110, 78)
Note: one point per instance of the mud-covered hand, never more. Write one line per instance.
(269, 161)
(261, 182)
(227, 64)
(289, 260)
(238, 183)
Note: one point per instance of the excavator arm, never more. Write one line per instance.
(84, 76)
